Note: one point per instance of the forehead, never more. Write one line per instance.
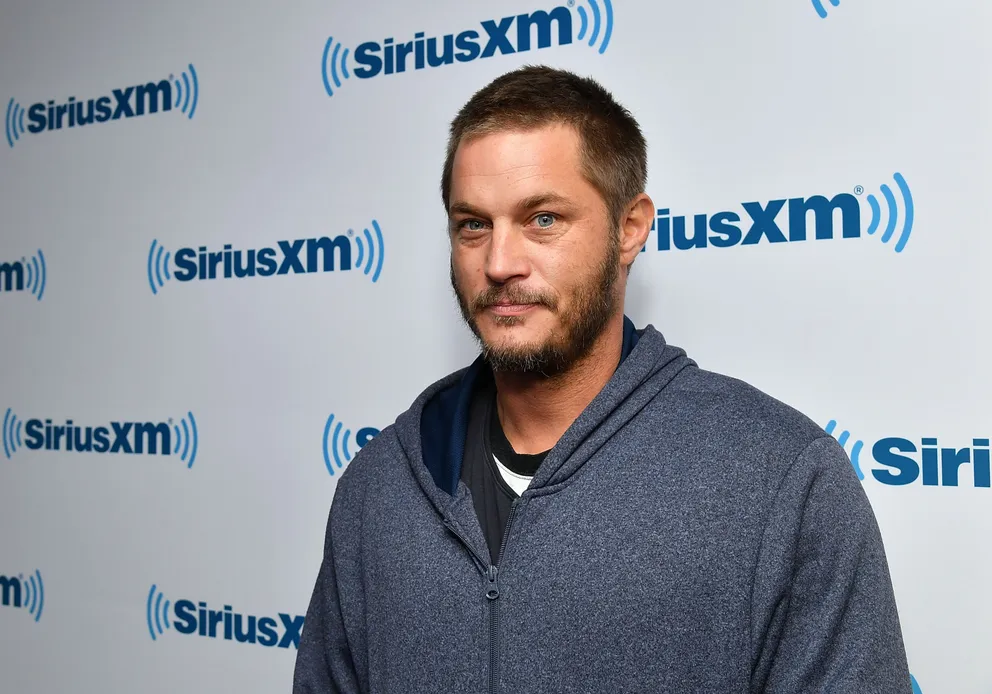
(496, 167)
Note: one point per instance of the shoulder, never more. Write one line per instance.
(365, 471)
(752, 428)
(736, 406)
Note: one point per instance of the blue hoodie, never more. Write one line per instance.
(687, 533)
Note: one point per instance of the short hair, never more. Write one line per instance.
(613, 150)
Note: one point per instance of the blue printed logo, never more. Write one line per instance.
(337, 442)
(788, 220)
(821, 10)
(194, 618)
(513, 34)
(24, 275)
(179, 439)
(341, 253)
(902, 461)
(174, 93)
(27, 593)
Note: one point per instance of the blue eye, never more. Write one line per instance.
(473, 225)
(544, 220)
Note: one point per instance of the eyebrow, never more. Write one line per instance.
(530, 203)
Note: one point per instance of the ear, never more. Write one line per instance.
(635, 226)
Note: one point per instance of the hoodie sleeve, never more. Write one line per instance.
(325, 662)
(823, 613)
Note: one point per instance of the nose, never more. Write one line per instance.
(507, 257)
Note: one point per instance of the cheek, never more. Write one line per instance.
(468, 267)
(564, 270)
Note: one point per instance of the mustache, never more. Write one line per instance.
(494, 295)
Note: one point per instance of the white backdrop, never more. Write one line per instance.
(105, 556)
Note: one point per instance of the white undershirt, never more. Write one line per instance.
(517, 483)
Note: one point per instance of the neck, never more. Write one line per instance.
(535, 411)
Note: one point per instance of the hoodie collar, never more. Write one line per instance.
(433, 430)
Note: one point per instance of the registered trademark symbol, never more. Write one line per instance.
(351, 232)
(858, 190)
(571, 3)
(170, 420)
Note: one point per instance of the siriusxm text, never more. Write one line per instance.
(116, 437)
(514, 34)
(197, 619)
(933, 465)
(126, 102)
(323, 254)
(777, 221)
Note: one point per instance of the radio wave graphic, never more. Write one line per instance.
(374, 255)
(186, 438)
(158, 266)
(336, 445)
(333, 61)
(11, 433)
(916, 685)
(37, 274)
(821, 10)
(600, 19)
(893, 213)
(855, 453)
(187, 91)
(34, 594)
(156, 613)
(13, 122)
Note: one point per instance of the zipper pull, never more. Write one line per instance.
(493, 591)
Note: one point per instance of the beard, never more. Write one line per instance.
(589, 310)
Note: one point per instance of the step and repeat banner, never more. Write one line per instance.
(223, 269)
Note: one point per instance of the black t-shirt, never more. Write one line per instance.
(491, 495)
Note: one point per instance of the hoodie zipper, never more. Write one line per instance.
(492, 594)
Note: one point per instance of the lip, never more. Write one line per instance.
(511, 309)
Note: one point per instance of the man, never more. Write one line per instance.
(583, 509)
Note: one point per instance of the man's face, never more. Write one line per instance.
(534, 258)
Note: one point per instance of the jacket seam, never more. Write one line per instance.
(761, 547)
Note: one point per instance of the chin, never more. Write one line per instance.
(512, 334)
(503, 339)
(524, 335)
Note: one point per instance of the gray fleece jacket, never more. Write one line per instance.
(687, 533)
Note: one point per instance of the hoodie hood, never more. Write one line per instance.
(432, 432)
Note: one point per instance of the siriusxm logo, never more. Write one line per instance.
(513, 34)
(336, 443)
(136, 438)
(29, 593)
(903, 461)
(789, 220)
(26, 274)
(127, 102)
(197, 619)
(299, 256)
(821, 10)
